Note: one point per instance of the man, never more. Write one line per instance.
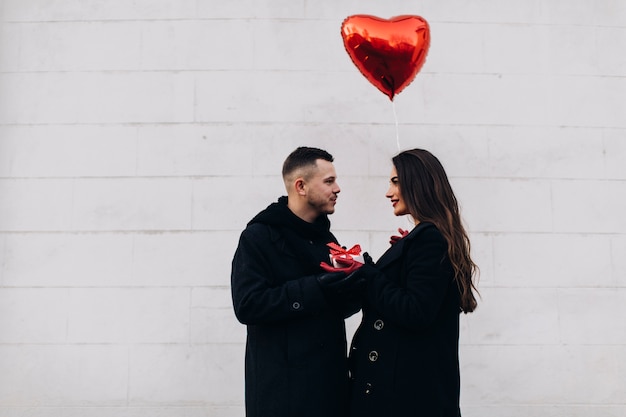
(296, 362)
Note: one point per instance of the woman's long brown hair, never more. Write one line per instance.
(425, 188)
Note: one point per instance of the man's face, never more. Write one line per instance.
(322, 188)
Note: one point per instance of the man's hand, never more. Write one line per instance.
(348, 266)
(340, 282)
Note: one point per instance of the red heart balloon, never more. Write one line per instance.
(388, 52)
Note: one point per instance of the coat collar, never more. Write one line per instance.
(397, 249)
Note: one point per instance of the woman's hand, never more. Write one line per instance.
(394, 238)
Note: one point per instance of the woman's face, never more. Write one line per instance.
(393, 194)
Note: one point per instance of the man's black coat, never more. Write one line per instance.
(296, 345)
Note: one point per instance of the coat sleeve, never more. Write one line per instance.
(428, 276)
(256, 300)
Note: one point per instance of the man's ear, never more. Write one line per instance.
(300, 186)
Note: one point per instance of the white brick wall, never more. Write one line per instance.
(138, 138)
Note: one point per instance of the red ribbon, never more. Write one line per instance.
(335, 250)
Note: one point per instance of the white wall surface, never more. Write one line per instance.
(137, 138)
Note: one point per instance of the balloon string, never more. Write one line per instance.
(395, 116)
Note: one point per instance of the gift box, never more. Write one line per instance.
(339, 254)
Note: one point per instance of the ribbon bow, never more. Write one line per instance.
(335, 249)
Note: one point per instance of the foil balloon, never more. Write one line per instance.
(388, 52)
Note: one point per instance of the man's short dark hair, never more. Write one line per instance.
(304, 157)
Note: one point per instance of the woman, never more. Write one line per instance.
(404, 355)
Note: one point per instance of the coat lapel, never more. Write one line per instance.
(396, 250)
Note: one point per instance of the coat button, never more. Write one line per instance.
(368, 388)
(379, 324)
(373, 356)
(296, 305)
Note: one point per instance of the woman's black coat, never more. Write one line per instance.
(296, 361)
(404, 355)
